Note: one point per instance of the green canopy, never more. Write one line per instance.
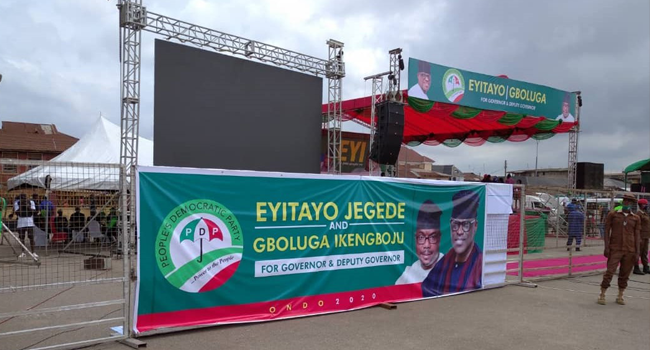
(643, 165)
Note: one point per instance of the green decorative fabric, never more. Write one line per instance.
(452, 143)
(420, 105)
(547, 124)
(535, 231)
(511, 119)
(463, 112)
(543, 136)
(496, 139)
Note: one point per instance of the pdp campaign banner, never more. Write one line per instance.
(434, 82)
(217, 247)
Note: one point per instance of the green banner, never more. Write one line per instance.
(220, 247)
(433, 82)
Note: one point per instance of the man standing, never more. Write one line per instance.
(622, 238)
(576, 223)
(25, 210)
(427, 244)
(77, 222)
(566, 116)
(645, 235)
(460, 269)
(420, 89)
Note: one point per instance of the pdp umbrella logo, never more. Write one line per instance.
(453, 85)
(199, 246)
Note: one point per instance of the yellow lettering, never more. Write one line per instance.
(330, 207)
(304, 212)
(317, 209)
(380, 210)
(391, 210)
(293, 206)
(258, 245)
(274, 210)
(400, 210)
(368, 210)
(344, 150)
(313, 242)
(324, 243)
(356, 155)
(357, 210)
(348, 216)
(261, 211)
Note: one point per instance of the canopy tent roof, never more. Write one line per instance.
(435, 123)
(92, 163)
(643, 165)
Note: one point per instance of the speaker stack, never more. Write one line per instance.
(590, 176)
(388, 135)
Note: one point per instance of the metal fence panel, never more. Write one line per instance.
(550, 249)
(62, 276)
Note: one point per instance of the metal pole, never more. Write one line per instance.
(522, 228)
(570, 261)
(585, 213)
(536, 156)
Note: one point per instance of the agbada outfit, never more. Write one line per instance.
(622, 235)
(449, 276)
(415, 273)
(645, 236)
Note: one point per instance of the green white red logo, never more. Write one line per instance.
(199, 246)
(453, 85)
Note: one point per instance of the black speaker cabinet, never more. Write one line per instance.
(388, 136)
(590, 176)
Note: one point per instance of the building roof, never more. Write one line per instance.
(29, 137)
(538, 170)
(471, 177)
(411, 156)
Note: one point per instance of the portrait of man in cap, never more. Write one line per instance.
(461, 268)
(420, 89)
(427, 244)
(566, 116)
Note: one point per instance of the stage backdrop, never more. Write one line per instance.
(218, 111)
(465, 88)
(220, 247)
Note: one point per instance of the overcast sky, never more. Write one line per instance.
(60, 60)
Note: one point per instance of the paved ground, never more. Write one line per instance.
(559, 314)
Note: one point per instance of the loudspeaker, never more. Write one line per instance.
(639, 188)
(590, 176)
(388, 135)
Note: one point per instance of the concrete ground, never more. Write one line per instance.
(558, 314)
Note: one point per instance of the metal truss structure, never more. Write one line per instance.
(573, 145)
(396, 67)
(376, 97)
(335, 73)
(394, 94)
(134, 18)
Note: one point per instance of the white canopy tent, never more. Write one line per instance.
(92, 163)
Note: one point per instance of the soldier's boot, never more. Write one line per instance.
(619, 299)
(601, 297)
(637, 270)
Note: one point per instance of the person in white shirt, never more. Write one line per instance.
(420, 89)
(566, 117)
(25, 210)
(427, 244)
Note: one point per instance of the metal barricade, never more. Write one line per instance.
(63, 280)
(563, 236)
